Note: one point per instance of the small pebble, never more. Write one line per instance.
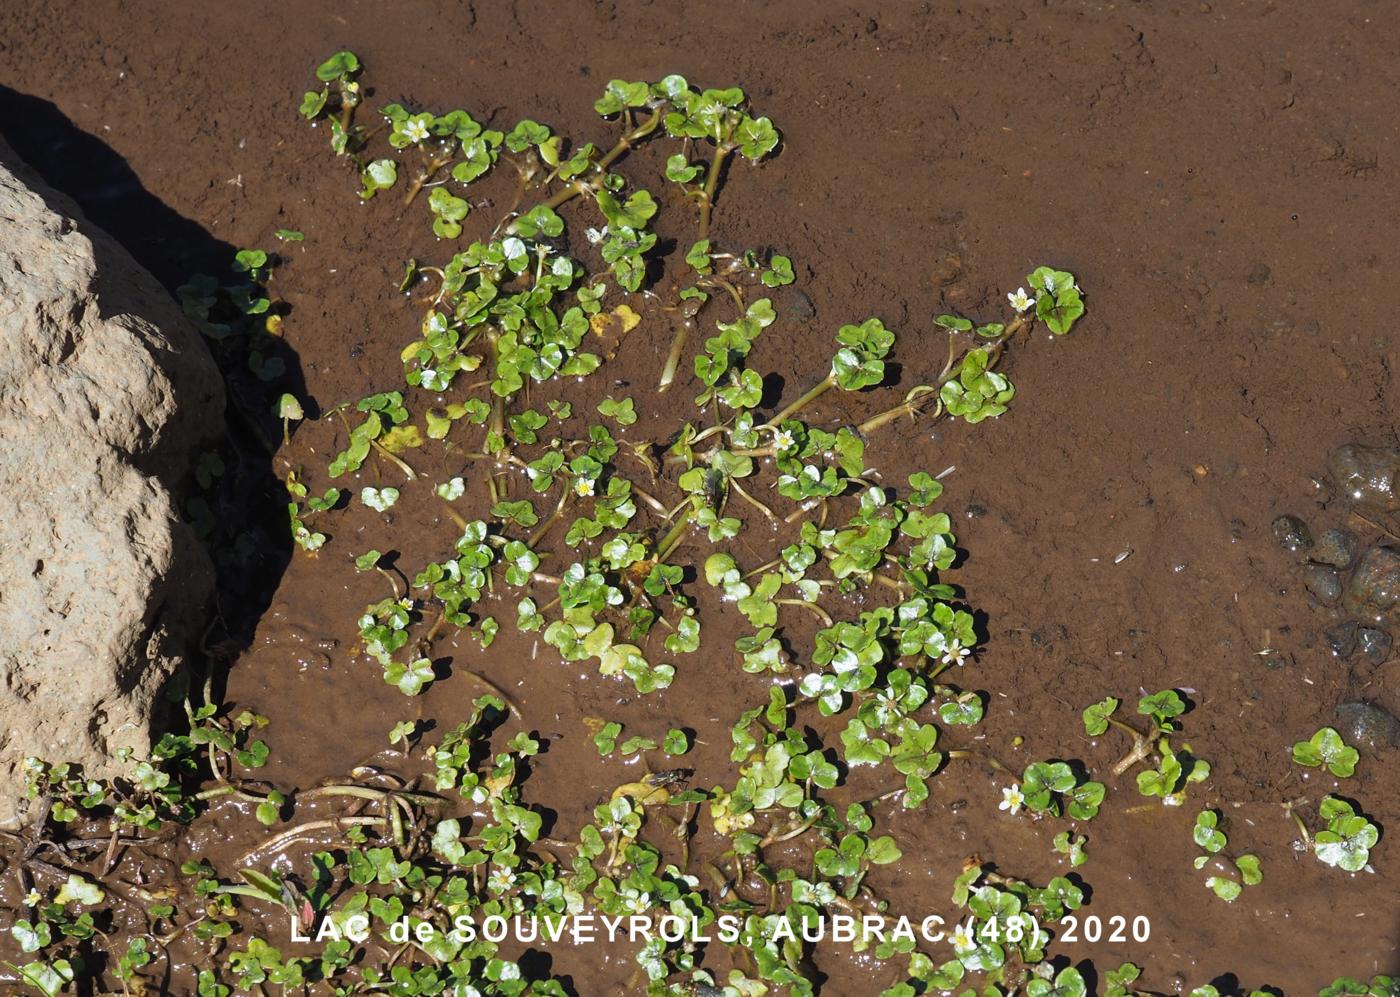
(1367, 476)
(1292, 533)
(1323, 582)
(1375, 644)
(1337, 548)
(1367, 725)
(974, 511)
(1342, 640)
(800, 307)
(947, 270)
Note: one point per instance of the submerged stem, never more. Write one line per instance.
(291, 834)
(673, 357)
(430, 170)
(576, 187)
(384, 452)
(821, 388)
(673, 537)
(811, 607)
(707, 196)
(920, 395)
(1141, 750)
(991, 760)
(548, 524)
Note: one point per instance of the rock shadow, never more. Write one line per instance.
(242, 519)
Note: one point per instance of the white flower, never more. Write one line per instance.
(1021, 301)
(955, 654)
(500, 880)
(583, 487)
(595, 235)
(379, 499)
(416, 130)
(513, 248)
(782, 439)
(33, 899)
(452, 490)
(963, 939)
(1012, 800)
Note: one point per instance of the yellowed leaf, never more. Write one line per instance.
(618, 322)
(401, 438)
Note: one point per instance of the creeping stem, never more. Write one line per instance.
(707, 203)
(815, 392)
(919, 396)
(576, 187)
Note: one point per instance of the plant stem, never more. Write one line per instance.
(917, 397)
(1141, 750)
(649, 499)
(707, 203)
(989, 759)
(672, 538)
(576, 187)
(291, 834)
(548, 524)
(429, 171)
(452, 514)
(369, 793)
(910, 406)
(821, 388)
(802, 510)
(1289, 809)
(496, 691)
(673, 358)
(497, 425)
(774, 837)
(707, 196)
(811, 607)
(383, 451)
(772, 516)
(631, 138)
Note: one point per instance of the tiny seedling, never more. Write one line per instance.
(1327, 749)
(1229, 874)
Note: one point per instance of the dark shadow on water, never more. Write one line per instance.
(111, 195)
(250, 545)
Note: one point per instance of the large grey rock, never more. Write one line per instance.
(104, 392)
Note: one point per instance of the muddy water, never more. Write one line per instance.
(1215, 182)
